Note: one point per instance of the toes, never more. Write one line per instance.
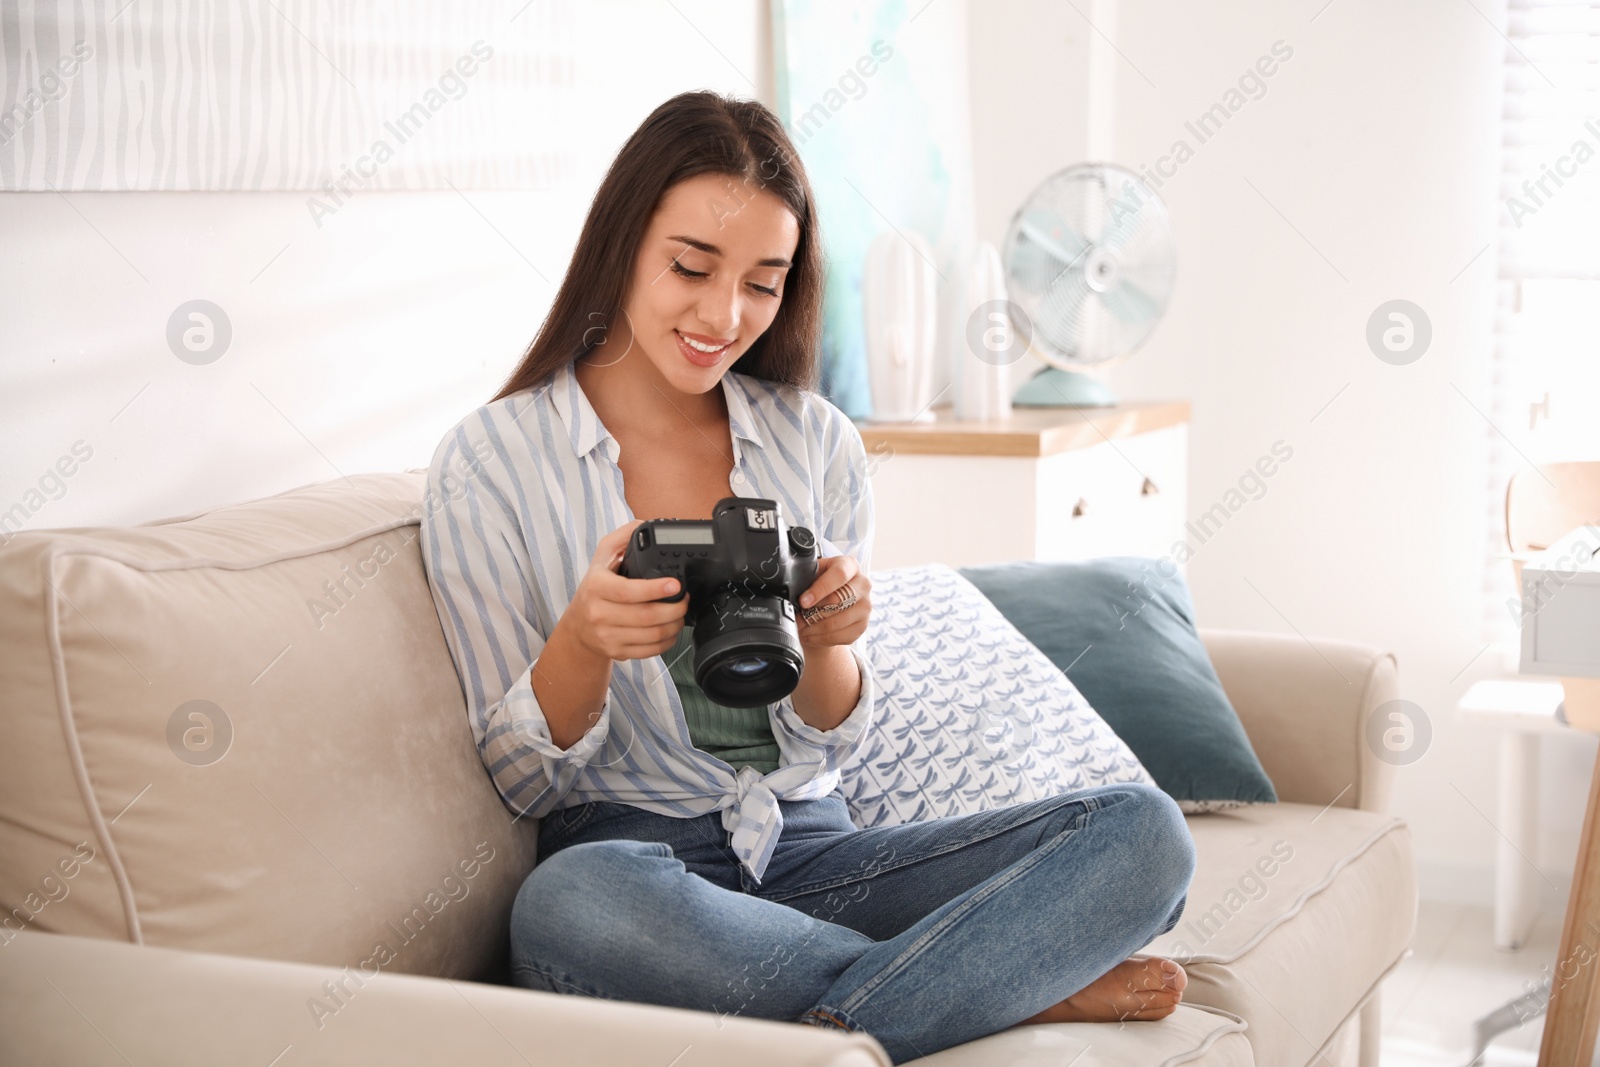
(1157, 973)
(1153, 1013)
(1152, 1004)
(1147, 1004)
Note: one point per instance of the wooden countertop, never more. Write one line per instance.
(1028, 432)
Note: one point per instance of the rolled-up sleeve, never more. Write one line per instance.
(494, 618)
(845, 529)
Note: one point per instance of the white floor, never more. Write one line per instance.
(1455, 975)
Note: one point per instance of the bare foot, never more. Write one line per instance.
(1134, 989)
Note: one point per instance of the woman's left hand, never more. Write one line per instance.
(842, 627)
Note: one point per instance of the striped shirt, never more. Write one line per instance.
(518, 495)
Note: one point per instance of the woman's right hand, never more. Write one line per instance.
(616, 617)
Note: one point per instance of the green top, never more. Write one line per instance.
(737, 736)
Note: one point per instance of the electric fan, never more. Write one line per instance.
(1089, 266)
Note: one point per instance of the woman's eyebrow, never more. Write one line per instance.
(774, 261)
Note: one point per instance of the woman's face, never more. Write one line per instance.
(708, 278)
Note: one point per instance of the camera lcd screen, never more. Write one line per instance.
(685, 535)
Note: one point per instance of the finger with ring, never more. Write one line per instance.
(845, 597)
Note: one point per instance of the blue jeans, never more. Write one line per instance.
(925, 935)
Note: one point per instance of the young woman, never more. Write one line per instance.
(699, 856)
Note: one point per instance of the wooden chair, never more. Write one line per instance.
(1544, 505)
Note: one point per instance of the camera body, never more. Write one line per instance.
(743, 571)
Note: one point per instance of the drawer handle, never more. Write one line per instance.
(1149, 488)
(1080, 508)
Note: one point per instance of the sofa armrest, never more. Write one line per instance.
(77, 1000)
(1306, 708)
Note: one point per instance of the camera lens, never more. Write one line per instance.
(747, 650)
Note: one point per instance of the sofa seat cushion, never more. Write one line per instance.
(1294, 915)
(1199, 1036)
(245, 730)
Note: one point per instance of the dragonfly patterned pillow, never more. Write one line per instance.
(970, 714)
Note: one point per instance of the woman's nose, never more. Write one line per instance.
(719, 309)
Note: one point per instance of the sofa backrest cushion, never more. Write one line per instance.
(241, 731)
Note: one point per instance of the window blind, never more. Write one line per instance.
(1544, 374)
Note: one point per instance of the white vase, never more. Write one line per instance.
(899, 301)
(983, 379)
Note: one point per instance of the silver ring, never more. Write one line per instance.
(847, 597)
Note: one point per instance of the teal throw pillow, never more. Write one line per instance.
(1123, 632)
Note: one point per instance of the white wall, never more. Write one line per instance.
(1036, 107)
(1377, 141)
(356, 344)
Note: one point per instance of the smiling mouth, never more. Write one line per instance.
(701, 346)
(702, 353)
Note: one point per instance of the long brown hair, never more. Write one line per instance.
(691, 134)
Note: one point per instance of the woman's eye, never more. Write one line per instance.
(680, 269)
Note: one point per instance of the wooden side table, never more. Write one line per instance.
(1046, 483)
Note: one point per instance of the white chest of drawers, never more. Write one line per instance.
(1046, 484)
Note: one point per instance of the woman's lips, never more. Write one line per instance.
(694, 355)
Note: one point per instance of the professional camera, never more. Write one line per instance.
(743, 572)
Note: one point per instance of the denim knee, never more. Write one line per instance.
(554, 921)
(1166, 854)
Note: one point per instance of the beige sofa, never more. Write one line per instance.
(242, 820)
